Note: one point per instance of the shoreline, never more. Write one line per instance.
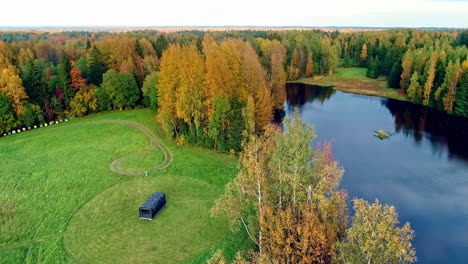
(352, 87)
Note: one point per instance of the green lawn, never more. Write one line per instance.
(350, 73)
(61, 203)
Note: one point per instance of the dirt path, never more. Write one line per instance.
(117, 165)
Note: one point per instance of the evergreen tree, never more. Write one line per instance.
(236, 126)
(161, 45)
(97, 66)
(7, 116)
(461, 101)
(63, 72)
(394, 76)
(138, 48)
(372, 70)
(33, 83)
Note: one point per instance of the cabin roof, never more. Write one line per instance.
(155, 198)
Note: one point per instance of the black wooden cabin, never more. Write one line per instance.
(152, 206)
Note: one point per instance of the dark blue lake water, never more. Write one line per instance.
(422, 168)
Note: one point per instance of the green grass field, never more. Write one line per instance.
(350, 73)
(61, 203)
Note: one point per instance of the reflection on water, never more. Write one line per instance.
(425, 123)
(422, 169)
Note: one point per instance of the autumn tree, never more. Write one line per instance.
(273, 59)
(224, 73)
(25, 56)
(278, 78)
(168, 85)
(363, 55)
(84, 102)
(11, 86)
(451, 82)
(310, 66)
(430, 80)
(407, 65)
(414, 90)
(191, 95)
(289, 196)
(256, 85)
(77, 81)
(374, 237)
(293, 69)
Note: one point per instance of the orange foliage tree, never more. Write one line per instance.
(77, 81)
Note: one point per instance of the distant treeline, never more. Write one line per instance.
(210, 88)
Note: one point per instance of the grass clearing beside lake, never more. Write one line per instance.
(68, 206)
(354, 80)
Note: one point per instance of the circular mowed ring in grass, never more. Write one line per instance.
(107, 229)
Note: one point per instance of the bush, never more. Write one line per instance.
(32, 115)
(7, 116)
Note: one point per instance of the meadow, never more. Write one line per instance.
(60, 202)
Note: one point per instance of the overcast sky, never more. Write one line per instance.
(374, 13)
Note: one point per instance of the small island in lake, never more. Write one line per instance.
(381, 134)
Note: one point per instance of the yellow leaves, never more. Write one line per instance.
(310, 66)
(168, 85)
(190, 93)
(430, 79)
(465, 66)
(217, 258)
(25, 56)
(84, 101)
(374, 236)
(189, 82)
(363, 55)
(296, 235)
(12, 86)
(407, 65)
(118, 50)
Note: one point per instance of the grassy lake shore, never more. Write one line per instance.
(354, 80)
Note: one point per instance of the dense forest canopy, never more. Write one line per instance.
(214, 89)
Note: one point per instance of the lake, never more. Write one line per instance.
(422, 169)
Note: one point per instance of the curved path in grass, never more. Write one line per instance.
(117, 165)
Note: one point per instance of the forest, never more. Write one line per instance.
(214, 89)
(221, 90)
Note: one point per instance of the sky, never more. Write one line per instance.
(369, 13)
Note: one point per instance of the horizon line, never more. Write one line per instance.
(102, 27)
